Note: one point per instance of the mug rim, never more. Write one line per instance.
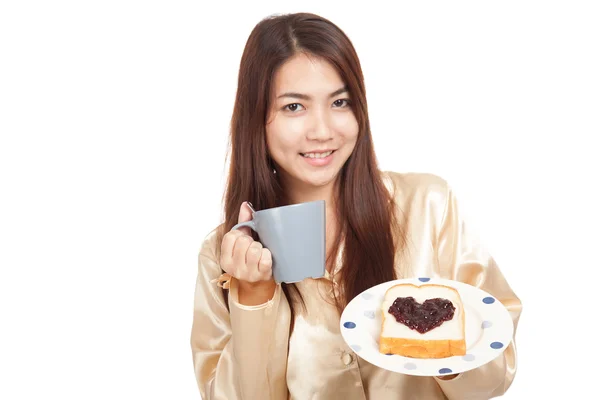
(291, 206)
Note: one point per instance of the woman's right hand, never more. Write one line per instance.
(244, 258)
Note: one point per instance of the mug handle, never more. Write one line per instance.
(250, 224)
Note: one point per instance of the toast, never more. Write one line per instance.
(412, 327)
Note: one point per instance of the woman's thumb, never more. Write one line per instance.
(245, 216)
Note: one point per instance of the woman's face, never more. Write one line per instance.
(311, 129)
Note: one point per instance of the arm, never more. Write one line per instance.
(239, 353)
(462, 258)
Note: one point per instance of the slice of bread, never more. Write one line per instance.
(445, 340)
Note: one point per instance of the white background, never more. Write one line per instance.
(114, 118)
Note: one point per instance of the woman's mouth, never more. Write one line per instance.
(317, 155)
(318, 159)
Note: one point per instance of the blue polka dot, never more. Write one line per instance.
(356, 348)
(424, 279)
(496, 345)
(389, 354)
(445, 371)
(367, 296)
(349, 325)
(468, 357)
(486, 324)
(410, 366)
(488, 300)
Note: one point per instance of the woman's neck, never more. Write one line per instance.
(298, 192)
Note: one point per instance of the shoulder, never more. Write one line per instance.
(411, 186)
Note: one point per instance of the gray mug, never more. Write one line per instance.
(295, 236)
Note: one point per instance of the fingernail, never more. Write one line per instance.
(250, 205)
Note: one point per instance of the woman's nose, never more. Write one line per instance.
(319, 127)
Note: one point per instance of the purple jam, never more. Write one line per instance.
(422, 317)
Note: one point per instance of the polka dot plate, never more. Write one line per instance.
(488, 330)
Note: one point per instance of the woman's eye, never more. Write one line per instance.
(292, 107)
(341, 103)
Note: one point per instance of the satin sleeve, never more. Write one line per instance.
(462, 257)
(240, 353)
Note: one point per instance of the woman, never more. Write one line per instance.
(300, 132)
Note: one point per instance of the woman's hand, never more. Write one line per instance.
(249, 262)
(447, 377)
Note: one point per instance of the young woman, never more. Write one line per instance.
(300, 132)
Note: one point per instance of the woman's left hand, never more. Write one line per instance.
(447, 377)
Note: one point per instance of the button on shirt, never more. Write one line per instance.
(347, 358)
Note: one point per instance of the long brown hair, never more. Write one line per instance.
(365, 208)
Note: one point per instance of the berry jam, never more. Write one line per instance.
(422, 317)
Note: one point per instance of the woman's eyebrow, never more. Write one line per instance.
(301, 96)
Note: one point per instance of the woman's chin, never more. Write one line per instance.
(318, 179)
(315, 179)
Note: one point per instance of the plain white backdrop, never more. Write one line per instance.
(114, 118)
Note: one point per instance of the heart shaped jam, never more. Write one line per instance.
(422, 317)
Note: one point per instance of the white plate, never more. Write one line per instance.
(488, 330)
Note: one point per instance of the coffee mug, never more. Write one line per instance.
(295, 236)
